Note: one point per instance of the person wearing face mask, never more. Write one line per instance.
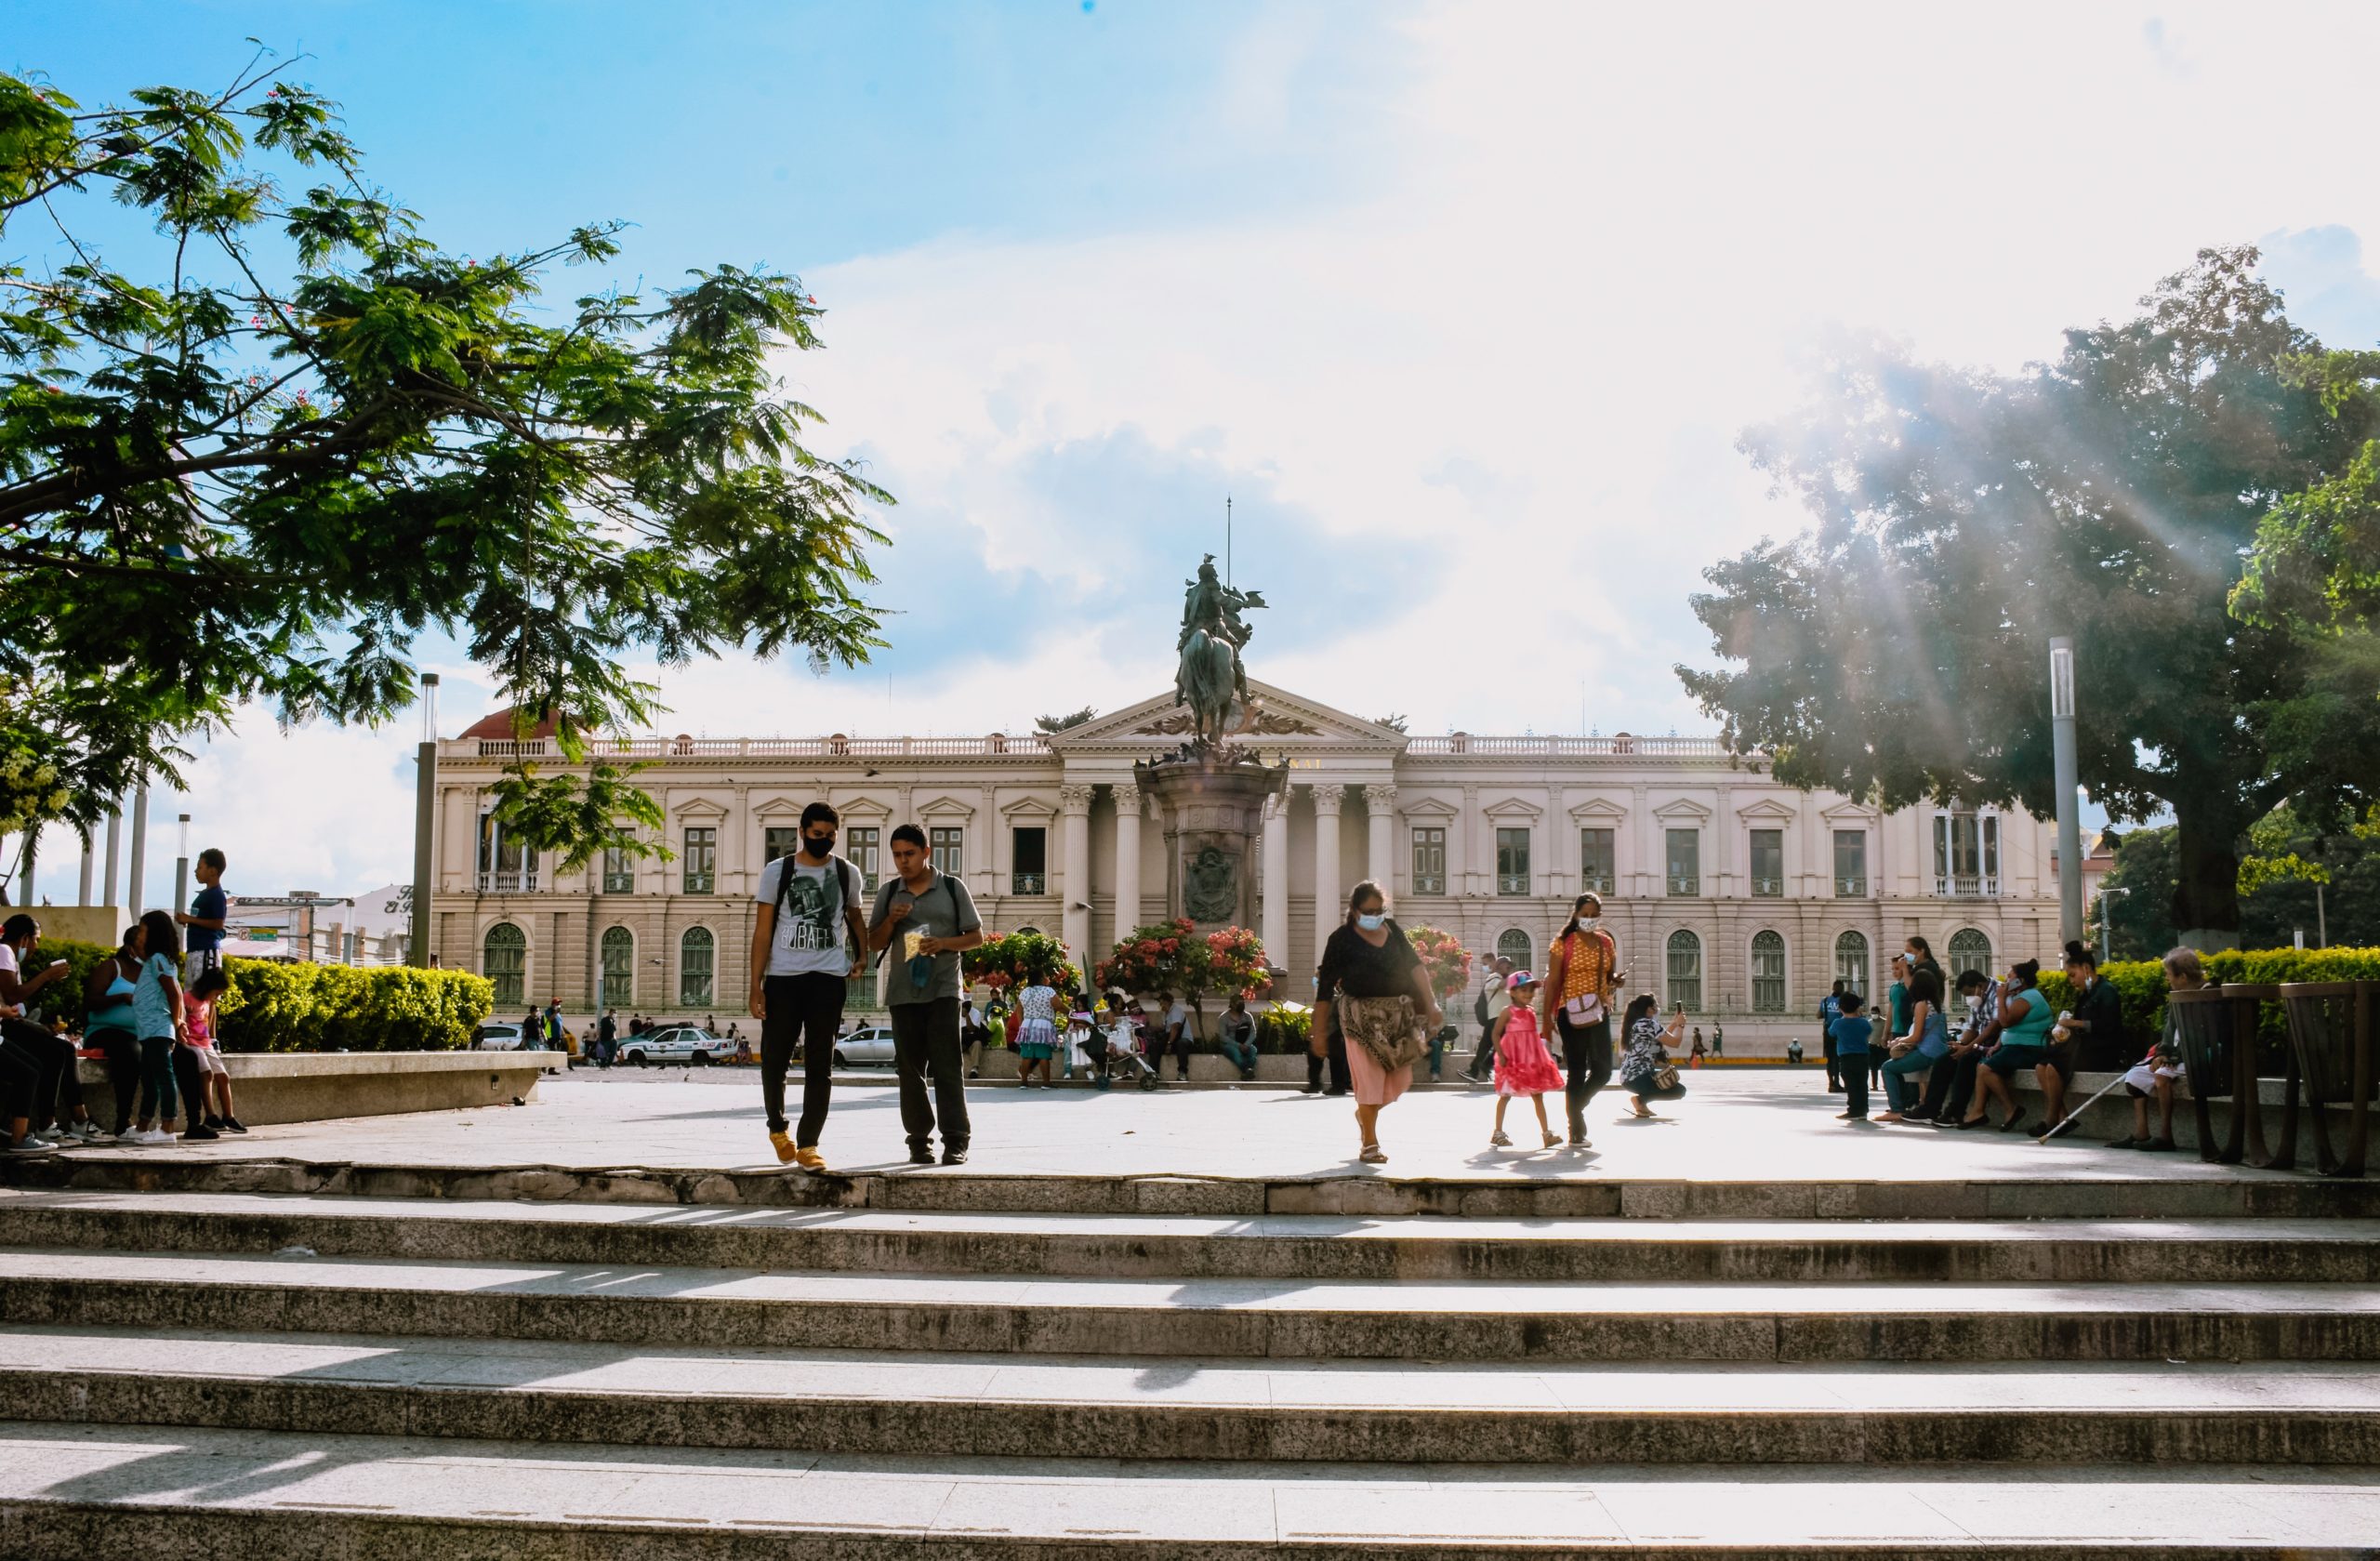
(1950, 1086)
(809, 936)
(1374, 985)
(1575, 1002)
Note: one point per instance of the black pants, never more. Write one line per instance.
(19, 1080)
(1180, 1047)
(1834, 1066)
(1586, 1048)
(800, 1008)
(1956, 1081)
(925, 1039)
(1483, 1060)
(124, 1070)
(192, 1084)
(57, 1090)
(1342, 1082)
(157, 1078)
(1855, 1083)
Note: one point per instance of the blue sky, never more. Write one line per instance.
(1463, 304)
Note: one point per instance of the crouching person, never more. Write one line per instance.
(2153, 1075)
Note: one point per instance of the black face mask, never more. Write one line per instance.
(818, 845)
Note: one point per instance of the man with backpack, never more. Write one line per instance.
(925, 919)
(1488, 1007)
(808, 939)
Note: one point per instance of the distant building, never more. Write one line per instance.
(372, 928)
(1737, 895)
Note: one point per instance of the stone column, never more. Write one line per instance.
(1127, 860)
(1382, 857)
(1276, 931)
(1074, 868)
(1329, 889)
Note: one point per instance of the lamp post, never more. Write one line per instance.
(424, 821)
(181, 862)
(2067, 776)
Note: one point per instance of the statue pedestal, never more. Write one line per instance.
(1212, 813)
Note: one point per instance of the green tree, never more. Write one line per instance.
(2283, 858)
(1899, 648)
(254, 459)
(1067, 722)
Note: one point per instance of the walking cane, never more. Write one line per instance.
(2075, 1114)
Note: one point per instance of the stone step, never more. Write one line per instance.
(1286, 1247)
(2071, 1190)
(993, 1407)
(84, 1491)
(1233, 1318)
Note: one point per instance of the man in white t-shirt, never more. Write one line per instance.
(809, 936)
(1178, 1035)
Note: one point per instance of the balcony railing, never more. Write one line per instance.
(1029, 883)
(1596, 883)
(1463, 743)
(516, 881)
(620, 883)
(699, 883)
(1851, 888)
(1511, 883)
(767, 747)
(1685, 888)
(1967, 886)
(1768, 888)
(1429, 883)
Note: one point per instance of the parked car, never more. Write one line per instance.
(674, 1044)
(497, 1036)
(868, 1045)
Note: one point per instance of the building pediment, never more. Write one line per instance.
(946, 807)
(698, 807)
(1428, 807)
(1284, 722)
(1028, 809)
(1848, 811)
(1767, 810)
(1685, 810)
(1513, 807)
(1598, 810)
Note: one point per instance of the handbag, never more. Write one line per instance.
(1386, 1028)
(1665, 1076)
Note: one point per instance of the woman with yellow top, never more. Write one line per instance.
(1576, 1003)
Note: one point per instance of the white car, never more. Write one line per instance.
(869, 1044)
(496, 1036)
(674, 1044)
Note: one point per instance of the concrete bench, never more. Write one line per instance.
(316, 1086)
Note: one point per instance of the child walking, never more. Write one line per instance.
(157, 1020)
(1524, 1067)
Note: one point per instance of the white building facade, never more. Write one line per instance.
(1737, 895)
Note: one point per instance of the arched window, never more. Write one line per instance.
(1970, 950)
(619, 967)
(694, 968)
(504, 959)
(1028, 931)
(1767, 973)
(1513, 945)
(1686, 971)
(1851, 962)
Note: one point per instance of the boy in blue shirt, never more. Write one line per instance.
(204, 922)
(1850, 1033)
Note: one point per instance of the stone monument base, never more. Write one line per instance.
(1212, 809)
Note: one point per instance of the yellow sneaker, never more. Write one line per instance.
(783, 1145)
(809, 1160)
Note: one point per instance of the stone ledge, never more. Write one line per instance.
(273, 1087)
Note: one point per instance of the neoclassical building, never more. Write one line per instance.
(1737, 895)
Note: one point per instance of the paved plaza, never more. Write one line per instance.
(1737, 1125)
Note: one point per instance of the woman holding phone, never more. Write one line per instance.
(1645, 1070)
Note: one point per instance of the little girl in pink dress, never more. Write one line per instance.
(1524, 1067)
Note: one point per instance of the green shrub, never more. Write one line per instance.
(1285, 1031)
(2141, 984)
(65, 1000)
(275, 1006)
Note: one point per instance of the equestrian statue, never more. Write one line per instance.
(1210, 679)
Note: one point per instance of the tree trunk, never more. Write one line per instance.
(2206, 878)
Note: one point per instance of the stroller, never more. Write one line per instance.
(1130, 1062)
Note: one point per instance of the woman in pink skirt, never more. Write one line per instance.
(1523, 1065)
(1373, 986)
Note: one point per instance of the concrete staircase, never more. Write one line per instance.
(979, 1367)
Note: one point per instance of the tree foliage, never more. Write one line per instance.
(1067, 722)
(1899, 648)
(258, 457)
(2283, 859)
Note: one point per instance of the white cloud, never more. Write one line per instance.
(1524, 365)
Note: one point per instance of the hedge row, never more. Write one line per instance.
(276, 1006)
(2141, 982)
